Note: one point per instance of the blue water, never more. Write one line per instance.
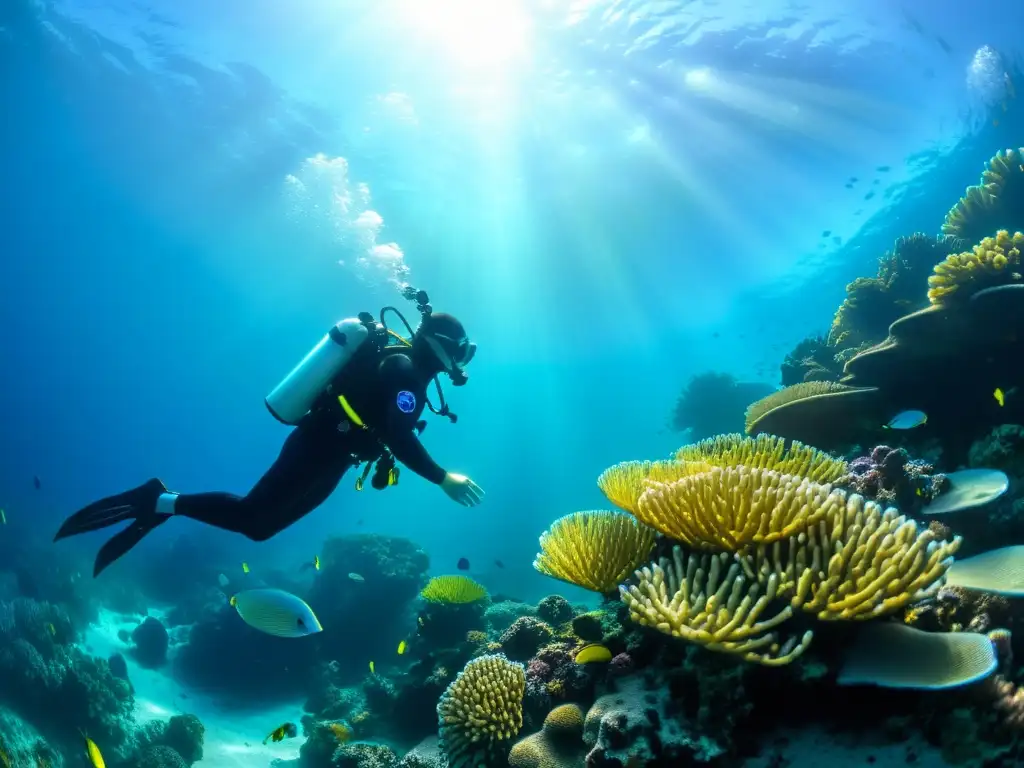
(613, 196)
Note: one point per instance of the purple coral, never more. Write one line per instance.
(888, 475)
(620, 665)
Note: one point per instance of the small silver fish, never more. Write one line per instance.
(907, 420)
(356, 577)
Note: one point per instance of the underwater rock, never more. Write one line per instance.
(555, 610)
(150, 643)
(956, 609)
(637, 725)
(185, 735)
(365, 756)
(444, 625)
(119, 668)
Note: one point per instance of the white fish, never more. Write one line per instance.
(276, 612)
(223, 580)
(356, 577)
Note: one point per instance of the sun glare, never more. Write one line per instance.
(477, 35)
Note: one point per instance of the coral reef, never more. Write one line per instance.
(559, 743)
(765, 452)
(481, 711)
(994, 261)
(594, 550)
(41, 674)
(872, 304)
(997, 202)
(555, 610)
(812, 359)
(456, 590)
(524, 637)
(714, 403)
(889, 475)
(821, 413)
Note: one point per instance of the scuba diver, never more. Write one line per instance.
(356, 397)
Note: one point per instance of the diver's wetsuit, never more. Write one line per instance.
(387, 392)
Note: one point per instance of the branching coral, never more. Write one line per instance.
(594, 550)
(764, 452)
(455, 590)
(859, 562)
(706, 599)
(993, 204)
(481, 711)
(624, 482)
(994, 261)
(731, 508)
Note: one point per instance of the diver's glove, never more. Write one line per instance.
(461, 489)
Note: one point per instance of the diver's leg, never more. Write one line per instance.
(311, 464)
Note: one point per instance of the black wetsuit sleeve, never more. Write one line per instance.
(404, 404)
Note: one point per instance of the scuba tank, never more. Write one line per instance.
(294, 396)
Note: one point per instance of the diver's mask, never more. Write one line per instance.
(453, 355)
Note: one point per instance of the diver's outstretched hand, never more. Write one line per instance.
(461, 489)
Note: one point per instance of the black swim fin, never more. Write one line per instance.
(120, 543)
(136, 504)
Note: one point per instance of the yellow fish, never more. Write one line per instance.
(316, 562)
(95, 758)
(53, 629)
(401, 648)
(999, 396)
(372, 670)
(245, 567)
(341, 732)
(282, 732)
(590, 654)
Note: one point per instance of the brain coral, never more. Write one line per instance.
(481, 711)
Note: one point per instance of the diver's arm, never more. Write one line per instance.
(400, 382)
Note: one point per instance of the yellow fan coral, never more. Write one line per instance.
(994, 261)
(594, 550)
(764, 452)
(801, 391)
(453, 589)
(481, 711)
(993, 204)
(706, 599)
(859, 562)
(730, 508)
(624, 482)
(559, 744)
